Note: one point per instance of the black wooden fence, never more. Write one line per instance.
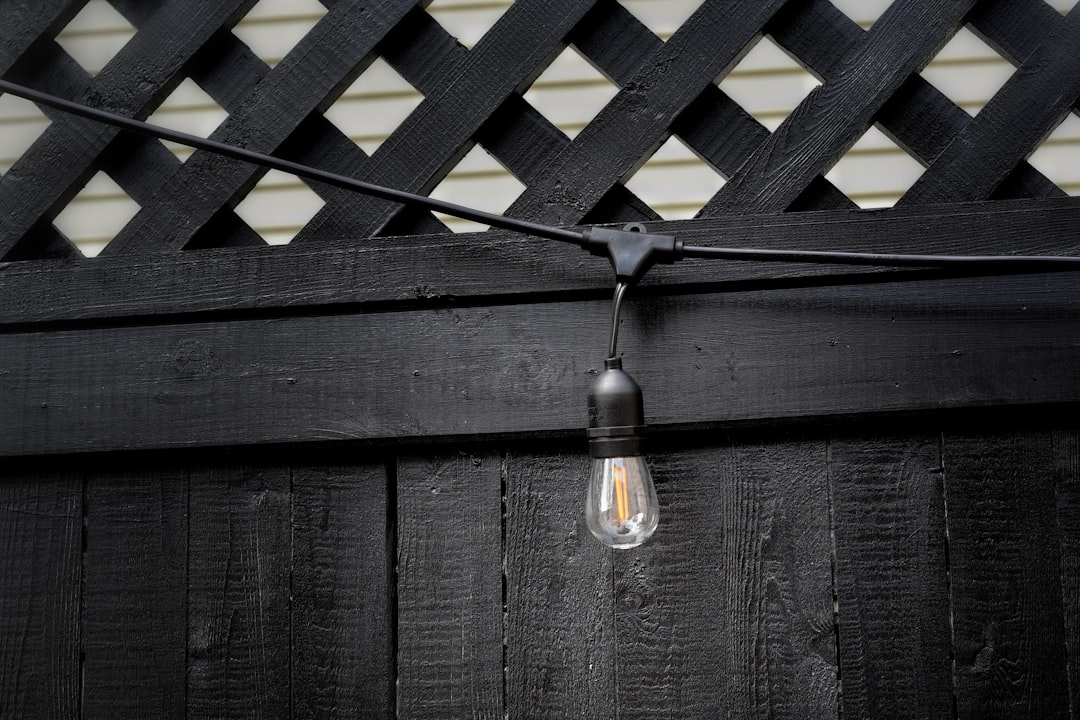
(344, 477)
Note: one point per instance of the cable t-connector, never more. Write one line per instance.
(632, 251)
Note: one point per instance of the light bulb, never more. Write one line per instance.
(621, 508)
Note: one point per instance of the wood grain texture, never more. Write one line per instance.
(891, 573)
(715, 126)
(450, 589)
(41, 517)
(799, 353)
(1011, 126)
(25, 22)
(134, 618)
(1005, 574)
(516, 134)
(918, 116)
(727, 611)
(55, 168)
(342, 653)
(421, 151)
(326, 60)
(637, 120)
(833, 116)
(1066, 459)
(238, 593)
(560, 633)
(450, 269)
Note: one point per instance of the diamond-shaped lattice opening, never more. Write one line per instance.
(1062, 6)
(96, 214)
(570, 92)
(864, 12)
(875, 172)
(1058, 157)
(274, 27)
(95, 35)
(21, 123)
(467, 20)
(663, 17)
(376, 103)
(675, 182)
(480, 182)
(279, 206)
(968, 71)
(768, 84)
(188, 109)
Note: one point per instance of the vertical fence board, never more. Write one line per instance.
(450, 587)
(1005, 572)
(727, 611)
(560, 654)
(135, 594)
(40, 573)
(1067, 476)
(238, 597)
(342, 654)
(891, 578)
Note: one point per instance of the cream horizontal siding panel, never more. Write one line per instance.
(674, 181)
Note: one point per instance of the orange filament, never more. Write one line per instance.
(622, 495)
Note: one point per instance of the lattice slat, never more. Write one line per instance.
(1011, 126)
(835, 115)
(326, 60)
(419, 153)
(637, 121)
(134, 82)
(474, 95)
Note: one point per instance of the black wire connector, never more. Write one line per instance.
(632, 251)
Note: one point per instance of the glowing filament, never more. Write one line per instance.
(622, 495)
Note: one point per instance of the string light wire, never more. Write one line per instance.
(1007, 263)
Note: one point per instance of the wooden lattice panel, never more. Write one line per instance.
(476, 94)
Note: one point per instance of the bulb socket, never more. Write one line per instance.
(616, 413)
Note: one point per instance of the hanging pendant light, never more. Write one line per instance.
(621, 507)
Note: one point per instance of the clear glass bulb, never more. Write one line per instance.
(621, 508)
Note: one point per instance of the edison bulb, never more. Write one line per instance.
(621, 508)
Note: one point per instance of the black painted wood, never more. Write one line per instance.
(41, 518)
(325, 61)
(338, 588)
(833, 117)
(134, 598)
(888, 519)
(796, 353)
(561, 657)
(451, 269)
(1066, 449)
(1005, 577)
(728, 610)
(636, 122)
(421, 151)
(26, 22)
(342, 587)
(450, 592)
(713, 125)
(918, 116)
(239, 590)
(134, 82)
(1011, 125)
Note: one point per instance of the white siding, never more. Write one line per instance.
(569, 93)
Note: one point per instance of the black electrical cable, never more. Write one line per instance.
(1013, 262)
(576, 237)
(305, 171)
(616, 307)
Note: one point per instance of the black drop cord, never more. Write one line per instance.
(576, 237)
(305, 171)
